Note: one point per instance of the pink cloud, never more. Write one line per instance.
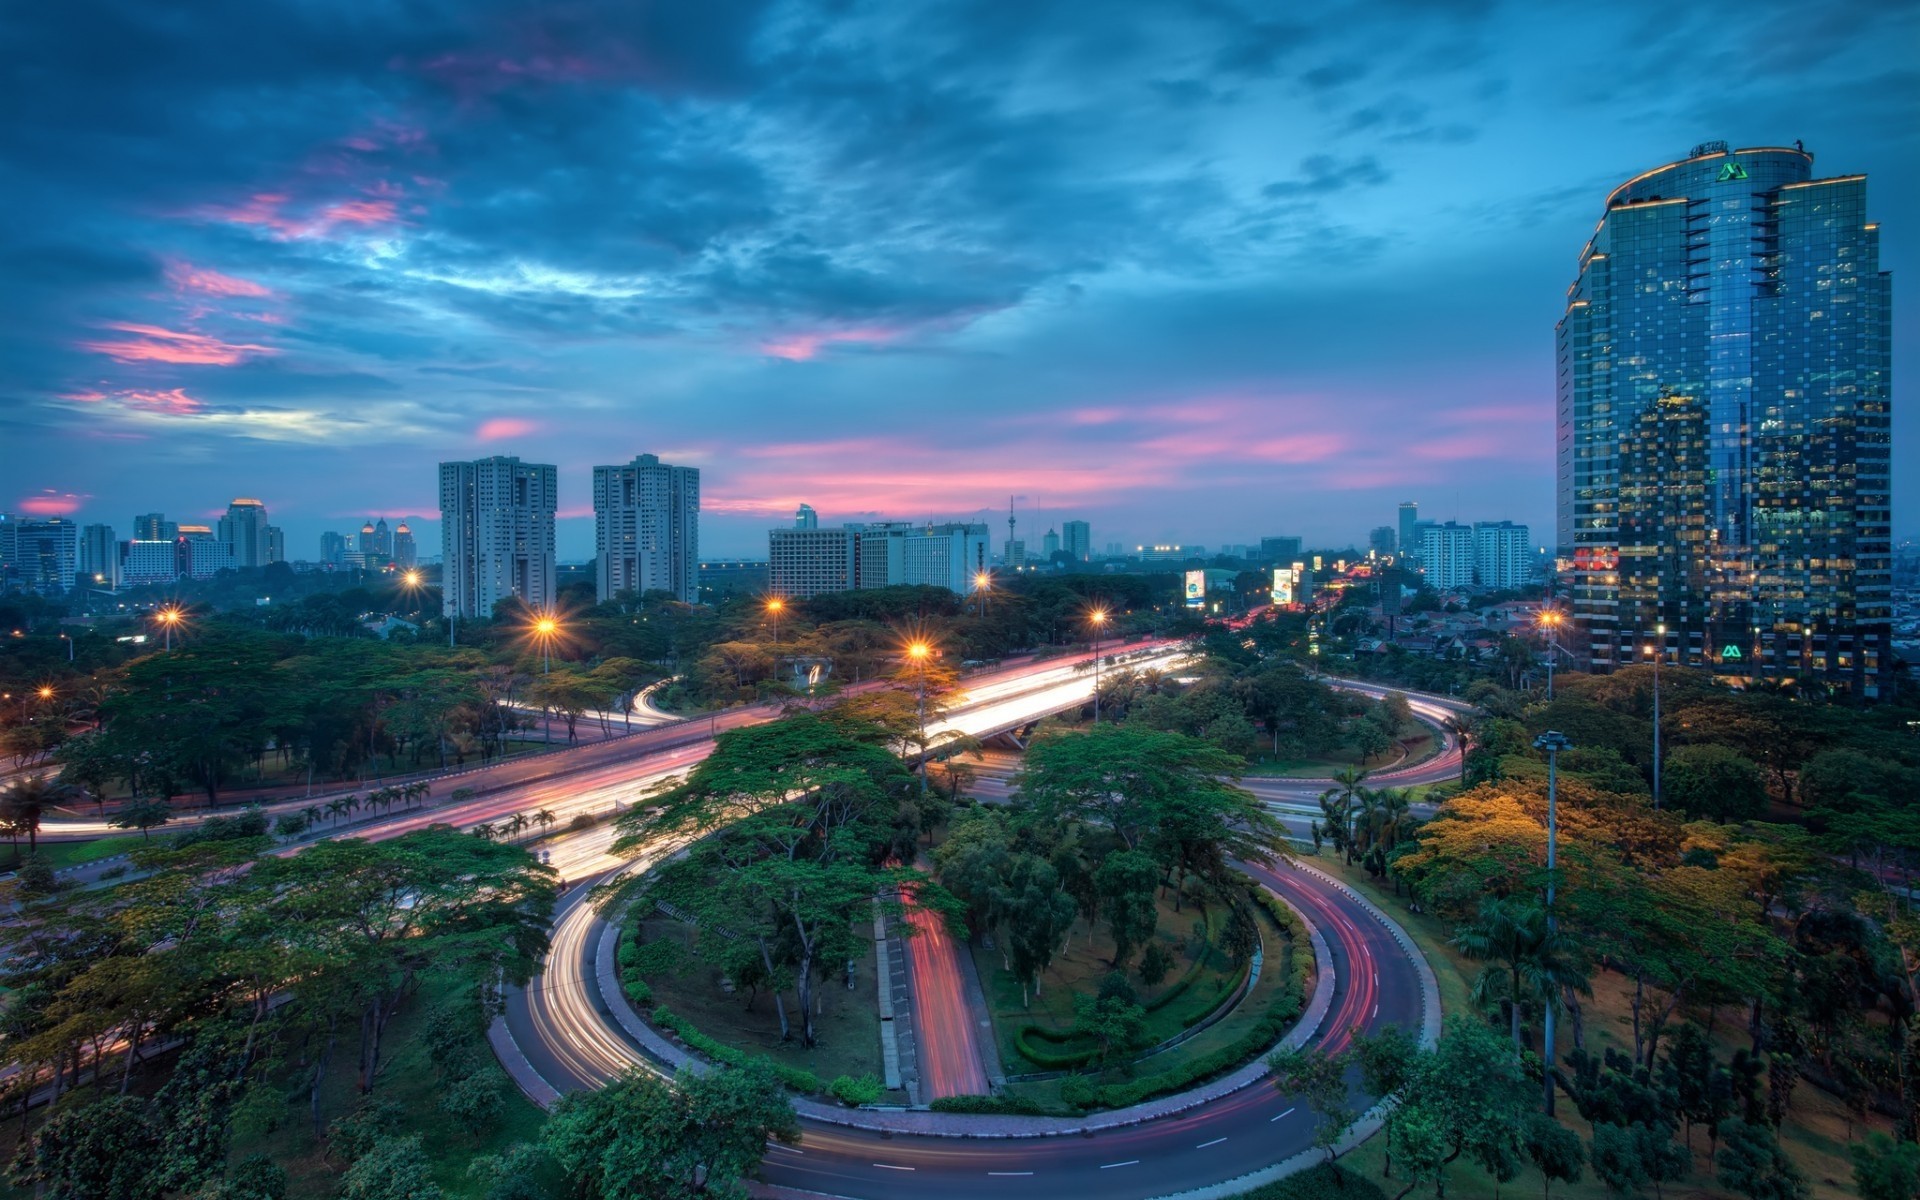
(274, 211)
(800, 347)
(173, 402)
(152, 343)
(360, 212)
(50, 504)
(499, 429)
(188, 278)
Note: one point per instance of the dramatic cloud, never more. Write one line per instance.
(1192, 272)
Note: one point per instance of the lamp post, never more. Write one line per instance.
(168, 618)
(69, 641)
(1551, 620)
(1659, 651)
(1553, 742)
(776, 606)
(545, 628)
(982, 584)
(1098, 619)
(918, 652)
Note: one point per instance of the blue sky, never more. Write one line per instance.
(1199, 271)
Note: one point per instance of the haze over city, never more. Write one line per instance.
(1188, 273)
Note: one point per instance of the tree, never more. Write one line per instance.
(641, 1139)
(1340, 802)
(1514, 934)
(143, 815)
(26, 800)
(1469, 1096)
(110, 1149)
(1112, 1019)
(394, 1168)
(1884, 1169)
(1752, 1163)
(1127, 882)
(1319, 1080)
(1713, 782)
(1555, 1151)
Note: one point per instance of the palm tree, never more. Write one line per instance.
(1338, 803)
(26, 801)
(1533, 960)
(313, 813)
(545, 818)
(484, 830)
(517, 824)
(1461, 727)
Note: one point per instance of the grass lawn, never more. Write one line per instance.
(74, 854)
(1416, 749)
(1274, 975)
(408, 1080)
(847, 1027)
(1815, 1133)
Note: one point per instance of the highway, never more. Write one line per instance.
(573, 1030)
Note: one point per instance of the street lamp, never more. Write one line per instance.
(982, 584)
(1098, 619)
(775, 606)
(545, 628)
(168, 618)
(1551, 620)
(1553, 742)
(918, 652)
(68, 639)
(1659, 651)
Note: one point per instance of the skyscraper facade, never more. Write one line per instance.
(810, 562)
(46, 553)
(646, 522)
(154, 527)
(406, 553)
(496, 534)
(1502, 555)
(1409, 527)
(1076, 538)
(244, 531)
(99, 564)
(1724, 441)
(1446, 555)
(333, 549)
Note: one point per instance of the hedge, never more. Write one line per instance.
(992, 1106)
(1327, 1181)
(793, 1077)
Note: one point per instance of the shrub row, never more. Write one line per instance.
(793, 1077)
(1327, 1181)
(991, 1106)
(1282, 1011)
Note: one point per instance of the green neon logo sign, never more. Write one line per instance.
(1730, 654)
(1731, 171)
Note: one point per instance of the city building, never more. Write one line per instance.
(1279, 549)
(1015, 553)
(496, 534)
(276, 544)
(244, 531)
(1382, 540)
(1166, 553)
(806, 518)
(1502, 555)
(150, 560)
(154, 527)
(382, 539)
(99, 564)
(1447, 555)
(198, 554)
(1724, 441)
(9, 548)
(1049, 546)
(369, 543)
(45, 553)
(333, 549)
(406, 555)
(1409, 539)
(646, 528)
(1076, 538)
(810, 562)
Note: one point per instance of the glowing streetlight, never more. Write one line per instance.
(545, 628)
(1550, 620)
(1098, 620)
(1658, 651)
(982, 584)
(168, 618)
(775, 606)
(46, 693)
(919, 651)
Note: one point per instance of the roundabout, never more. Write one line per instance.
(572, 1029)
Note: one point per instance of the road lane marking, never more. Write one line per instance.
(891, 1167)
(787, 1148)
(1376, 1010)
(1132, 1162)
(1009, 1173)
(1288, 1113)
(1214, 1142)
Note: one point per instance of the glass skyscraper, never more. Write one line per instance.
(1724, 438)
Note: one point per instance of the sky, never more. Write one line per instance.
(1195, 272)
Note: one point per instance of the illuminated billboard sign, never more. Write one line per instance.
(1283, 585)
(1196, 589)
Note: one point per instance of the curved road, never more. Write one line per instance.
(566, 1027)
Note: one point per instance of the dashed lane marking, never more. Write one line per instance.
(1009, 1173)
(1214, 1142)
(1282, 1116)
(1132, 1162)
(891, 1167)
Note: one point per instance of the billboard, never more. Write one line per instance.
(1283, 585)
(1196, 589)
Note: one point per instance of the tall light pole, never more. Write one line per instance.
(168, 618)
(1659, 651)
(1551, 620)
(982, 584)
(776, 606)
(1553, 742)
(918, 652)
(1098, 619)
(545, 628)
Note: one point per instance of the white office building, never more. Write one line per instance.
(496, 534)
(1502, 555)
(646, 521)
(809, 562)
(99, 557)
(150, 560)
(1447, 555)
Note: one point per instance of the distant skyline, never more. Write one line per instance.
(1185, 272)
